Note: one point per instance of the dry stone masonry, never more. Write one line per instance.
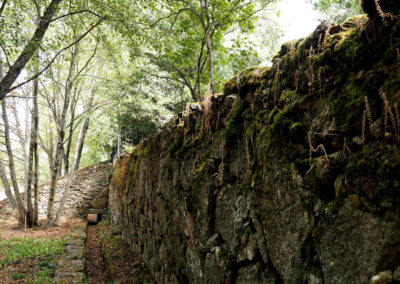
(71, 266)
(88, 194)
(291, 175)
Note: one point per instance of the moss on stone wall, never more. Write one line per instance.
(296, 181)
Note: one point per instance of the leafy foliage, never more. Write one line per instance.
(338, 10)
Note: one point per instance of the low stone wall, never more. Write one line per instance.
(6, 211)
(89, 191)
(71, 266)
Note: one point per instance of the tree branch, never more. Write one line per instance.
(29, 49)
(54, 58)
(5, 53)
(76, 12)
(2, 7)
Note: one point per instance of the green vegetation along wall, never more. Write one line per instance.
(290, 175)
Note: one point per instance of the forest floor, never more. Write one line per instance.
(96, 269)
(122, 264)
(31, 255)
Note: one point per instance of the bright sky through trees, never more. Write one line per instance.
(298, 19)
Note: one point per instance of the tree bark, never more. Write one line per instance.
(32, 145)
(60, 141)
(86, 122)
(29, 168)
(67, 151)
(207, 38)
(85, 127)
(58, 158)
(34, 138)
(3, 174)
(29, 49)
(6, 187)
(21, 209)
(51, 144)
(78, 152)
(79, 145)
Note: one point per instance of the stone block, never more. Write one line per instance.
(98, 203)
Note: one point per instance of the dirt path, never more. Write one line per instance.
(10, 229)
(95, 262)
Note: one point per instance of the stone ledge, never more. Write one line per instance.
(71, 266)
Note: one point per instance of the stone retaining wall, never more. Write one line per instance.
(277, 179)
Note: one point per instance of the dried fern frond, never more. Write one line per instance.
(297, 74)
(363, 125)
(396, 111)
(382, 14)
(314, 150)
(389, 114)
(310, 71)
(368, 110)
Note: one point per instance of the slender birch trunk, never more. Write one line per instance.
(85, 127)
(32, 212)
(6, 187)
(21, 209)
(70, 176)
(27, 157)
(3, 174)
(57, 160)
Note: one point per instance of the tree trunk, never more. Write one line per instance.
(54, 174)
(70, 132)
(27, 157)
(32, 146)
(59, 154)
(85, 127)
(79, 145)
(36, 156)
(29, 49)
(6, 187)
(29, 166)
(51, 144)
(207, 31)
(20, 134)
(3, 174)
(21, 209)
(78, 153)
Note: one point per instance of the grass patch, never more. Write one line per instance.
(29, 260)
(15, 249)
